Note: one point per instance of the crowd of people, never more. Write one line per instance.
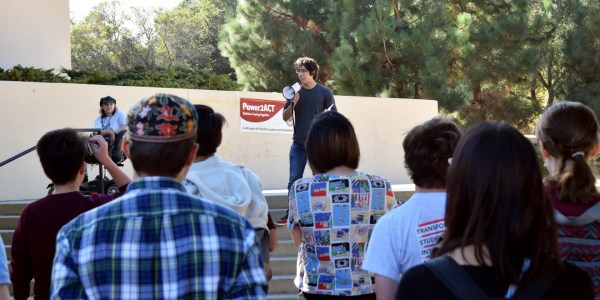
(482, 223)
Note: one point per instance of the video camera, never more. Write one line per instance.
(115, 150)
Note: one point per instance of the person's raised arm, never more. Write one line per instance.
(296, 236)
(330, 101)
(292, 224)
(385, 288)
(4, 292)
(100, 150)
(273, 239)
(288, 112)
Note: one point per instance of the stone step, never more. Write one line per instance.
(277, 199)
(403, 195)
(282, 296)
(285, 248)
(283, 233)
(283, 265)
(13, 208)
(8, 222)
(283, 284)
(7, 236)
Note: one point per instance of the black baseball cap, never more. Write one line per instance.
(107, 99)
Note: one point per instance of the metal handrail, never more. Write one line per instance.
(100, 167)
(17, 156)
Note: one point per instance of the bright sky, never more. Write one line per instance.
(80, 8)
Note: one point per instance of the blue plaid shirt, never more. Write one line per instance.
(158, 242)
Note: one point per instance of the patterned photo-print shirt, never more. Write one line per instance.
(336, 215)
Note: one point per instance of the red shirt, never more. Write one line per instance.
(34, 240)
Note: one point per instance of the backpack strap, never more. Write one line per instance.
(455, 278)
(462, 285)
(536, 288)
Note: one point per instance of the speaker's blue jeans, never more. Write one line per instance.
(297, 162)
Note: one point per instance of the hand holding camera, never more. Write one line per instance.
(99, 148)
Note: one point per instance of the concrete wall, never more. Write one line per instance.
(31, 109)
(35, 33)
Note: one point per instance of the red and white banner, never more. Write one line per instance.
(264, 116)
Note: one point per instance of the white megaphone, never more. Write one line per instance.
(290, 91)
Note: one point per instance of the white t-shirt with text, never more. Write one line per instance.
(405, 236)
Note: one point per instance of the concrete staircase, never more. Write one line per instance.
(283, 259)
(9, 216)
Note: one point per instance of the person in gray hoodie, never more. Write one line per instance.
(231, 185)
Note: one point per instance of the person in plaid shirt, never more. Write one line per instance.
(157, 241)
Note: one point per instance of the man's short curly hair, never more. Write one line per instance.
(427, 148)
(310, 64)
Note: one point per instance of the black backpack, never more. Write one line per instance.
(463, 287)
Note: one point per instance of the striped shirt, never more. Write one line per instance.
(158, 242)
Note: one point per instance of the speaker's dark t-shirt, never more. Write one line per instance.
(311, 103)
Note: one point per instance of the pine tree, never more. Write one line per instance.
(582, 55)
(500, 56)
(267, 36)
(396, 49)
(552, 75)
(189, 35)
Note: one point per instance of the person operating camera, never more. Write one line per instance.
(111, 119)
(61, 154)
(112, 123)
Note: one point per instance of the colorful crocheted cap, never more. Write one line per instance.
(162, 118)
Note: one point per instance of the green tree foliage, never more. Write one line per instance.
(145, 47)
(498, 53)
(20, 73)
(396, 49)
(113, 38)
(482, 60)
(267, 36)
(189, 34)
(98, 41)
(552, 75)
(582, 55)
(168, 78)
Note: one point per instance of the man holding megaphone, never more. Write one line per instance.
(304, 101)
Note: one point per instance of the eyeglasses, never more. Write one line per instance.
(298, 71)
